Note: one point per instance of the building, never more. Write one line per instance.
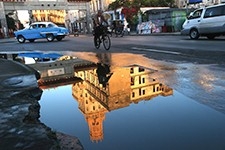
(69, 13)
(96, 99)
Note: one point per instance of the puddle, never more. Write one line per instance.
(116, 121)
(127, 101)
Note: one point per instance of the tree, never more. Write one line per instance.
(130, 13)
(129, 9)
(10, 22)
(132, 7)
(114, 6)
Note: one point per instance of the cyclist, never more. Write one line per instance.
(98, 22)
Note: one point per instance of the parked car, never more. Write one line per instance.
(208, 21)
(41, 30)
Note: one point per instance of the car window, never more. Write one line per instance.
(33, 26)
(51, 25)
(215, 11)
(196, 14)
(41, 26)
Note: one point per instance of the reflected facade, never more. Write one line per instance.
(99, 90)
(123, 86)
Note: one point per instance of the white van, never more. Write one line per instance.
(208, 21)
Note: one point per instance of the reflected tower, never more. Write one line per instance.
(124, 86)
(92, 110)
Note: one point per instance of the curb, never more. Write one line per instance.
(158, 34)
(7, 40)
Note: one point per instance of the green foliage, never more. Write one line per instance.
(141, 3)
(132, 7)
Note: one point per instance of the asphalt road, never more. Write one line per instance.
(160, 45)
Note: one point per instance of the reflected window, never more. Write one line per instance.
(139, 92)
(143, 80)
(132, 81)
(133, 94)
(141, 69)
(139, 80)
(131, 70)
(143, 92)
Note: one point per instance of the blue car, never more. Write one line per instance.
(41, 30)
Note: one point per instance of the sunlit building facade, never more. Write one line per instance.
(56, 16)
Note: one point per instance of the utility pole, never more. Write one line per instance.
(3, 20)
(100, 4)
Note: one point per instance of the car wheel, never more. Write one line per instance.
(194, 34)
(50, 37)
(211, 37)
(31, 40)
(21, 39)
(59, 38)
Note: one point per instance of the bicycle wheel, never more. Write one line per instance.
(106, 42)
(97, 42)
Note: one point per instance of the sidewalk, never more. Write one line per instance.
(157, 34)
(8, 40)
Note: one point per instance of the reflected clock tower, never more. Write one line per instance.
(95, 124)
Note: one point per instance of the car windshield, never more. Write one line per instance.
(195, 14)
(35, 25)
(52, 25)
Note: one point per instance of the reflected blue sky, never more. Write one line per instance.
(163, 123)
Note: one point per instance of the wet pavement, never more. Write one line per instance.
(193, 85)
(132, 117)
(20, 127)
(202, 82)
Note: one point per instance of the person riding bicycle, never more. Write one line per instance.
(98, 22)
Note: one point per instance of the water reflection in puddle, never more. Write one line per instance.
(123, 103)
(173, 122)
(125, 107)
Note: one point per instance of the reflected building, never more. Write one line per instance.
(59, 71)
(124, 86)
(144, 87)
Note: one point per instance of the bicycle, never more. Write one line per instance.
(119, 31)
(103, 38)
